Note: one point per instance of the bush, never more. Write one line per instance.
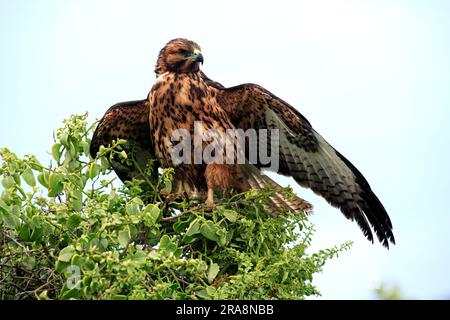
(69, 230)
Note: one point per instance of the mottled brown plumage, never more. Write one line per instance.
(180, 97)
(182, 94)
(128, 121)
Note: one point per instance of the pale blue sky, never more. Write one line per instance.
(373, 77)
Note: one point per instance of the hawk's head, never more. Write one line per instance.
(179, 55)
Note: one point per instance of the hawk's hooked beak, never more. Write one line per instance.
(199, 58)
(196, 56)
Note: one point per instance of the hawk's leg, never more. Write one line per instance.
(209, 203)
(219, 177)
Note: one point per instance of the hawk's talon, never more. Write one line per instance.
(209, 205)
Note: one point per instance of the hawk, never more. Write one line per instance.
(183, 94)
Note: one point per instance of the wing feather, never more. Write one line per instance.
(307, 157)
(130, 121)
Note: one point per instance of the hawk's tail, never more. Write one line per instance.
(280, 201)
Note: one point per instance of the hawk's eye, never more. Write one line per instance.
(183, 52)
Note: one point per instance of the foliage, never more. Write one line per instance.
(69, 230)
(388, 292)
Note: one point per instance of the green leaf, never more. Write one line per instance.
(124, 237)
(105, 164)
(103, 244)
(4, 206)
(36, 234)
(181, 225)
(230, 215)
(66, 254)
(152, 214)
(193, 231)
(139, 256)
(211, 291)
(67, 158)
(222, 234)
(213, 271)
(94, 242)
(43, 178)
(133, 230)
(73, 221)
(78, 181)
(72, 149)
(28, 177)
(70, 294)
(56, 185)
(24, 232)
(94, 170)
(86, 146)
(154, 255)
(119, 297)
(167, 246)
(60, 266)
(8, 182)
(34, 163)
(77, 200)
(123, 154)
(12, 218)
(209, 231)
(6, 196)
(168, 185)
(134, 206)
(194, 228)
(56, 151)
(87, 281)
(16, 178)
(29, 262)
(77, 260)
(64, 140)
(285, 276)
(203, 294)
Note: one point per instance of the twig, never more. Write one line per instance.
(176, 217)
(16, 242)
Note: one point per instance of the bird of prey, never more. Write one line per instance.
(183, 94)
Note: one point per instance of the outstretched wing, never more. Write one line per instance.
(307, 157)
(129, 121)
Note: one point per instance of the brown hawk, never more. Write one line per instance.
(182, 95)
